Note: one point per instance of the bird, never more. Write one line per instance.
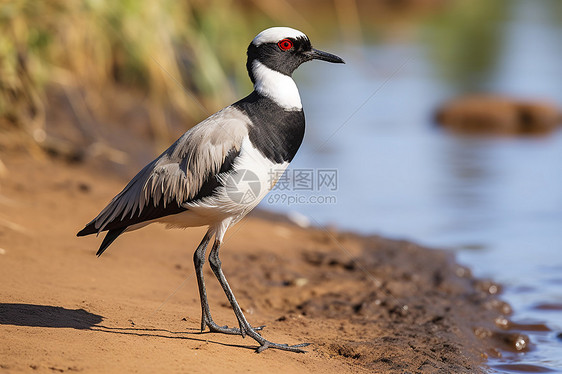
(221, 168)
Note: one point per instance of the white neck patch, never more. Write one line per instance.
(278, 87)
(275, 34)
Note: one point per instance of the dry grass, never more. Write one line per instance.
(182, 57)
(84, 47)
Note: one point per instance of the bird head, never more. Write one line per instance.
(283, 49)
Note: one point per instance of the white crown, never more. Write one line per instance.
(275, 34)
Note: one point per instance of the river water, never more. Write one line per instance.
(497, 202)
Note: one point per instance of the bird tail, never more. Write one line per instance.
(88, 230)
(109, 238)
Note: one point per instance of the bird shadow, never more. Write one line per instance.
(47, 316)
(32, 315)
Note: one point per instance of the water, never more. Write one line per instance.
(496, 201)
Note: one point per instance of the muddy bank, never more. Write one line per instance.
(497, 115)
(365, 303)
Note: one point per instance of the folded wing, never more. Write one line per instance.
(184, 173)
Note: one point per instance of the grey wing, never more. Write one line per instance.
(185, 172)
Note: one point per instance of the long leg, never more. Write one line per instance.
(206, 319)
(245, 328)
(198, 261)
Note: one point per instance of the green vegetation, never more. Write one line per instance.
(85, 48)
(85, 63)
(465, 41)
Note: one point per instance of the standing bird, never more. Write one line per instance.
(220, 169)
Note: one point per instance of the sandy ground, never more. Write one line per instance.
(365, 303)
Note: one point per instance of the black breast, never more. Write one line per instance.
(277, 133)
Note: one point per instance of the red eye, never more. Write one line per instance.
(285, 44)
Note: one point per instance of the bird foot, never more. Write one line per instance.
(252, 332)
(213, 327)
(285, 347)
(265, 344)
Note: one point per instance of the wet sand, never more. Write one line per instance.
(366, 304)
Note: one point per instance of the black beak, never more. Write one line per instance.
(315, 54)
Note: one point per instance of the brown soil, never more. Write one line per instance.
(366, 304)
(496, 115)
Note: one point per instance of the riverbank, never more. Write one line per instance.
(365, 303)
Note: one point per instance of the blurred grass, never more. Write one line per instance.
(182, 59)
(466, 41)
(94, 44)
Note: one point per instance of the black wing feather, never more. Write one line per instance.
(157, 210)
(109, 238)
(149, 212)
